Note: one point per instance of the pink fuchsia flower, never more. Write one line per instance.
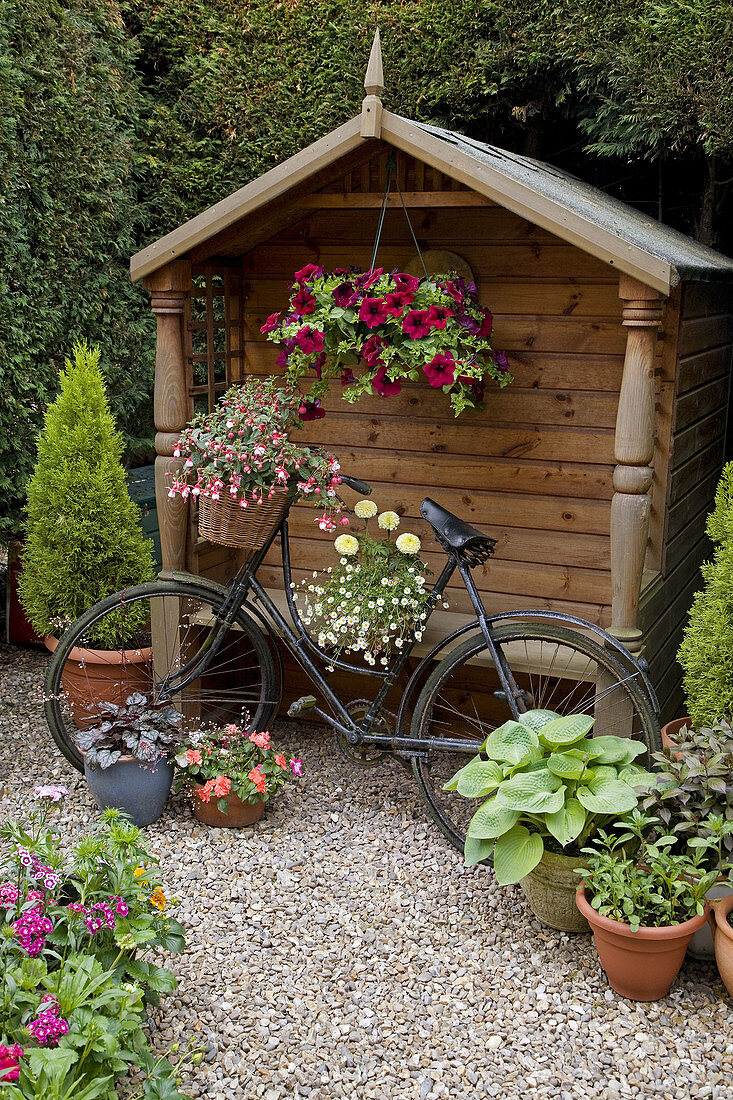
(303, 303)
(311, 410)
(441, 370)
(396, 302)
(372, 312)
(193, 756)
(272, 322)
(222, 786)
(438, 316)
(261, 740)
(416, 324)
(403, 281)
(52, 792)
(384, 386)
(9, 1062)
(345, 295)
(296, 767)
(309, 340)
(310, 271)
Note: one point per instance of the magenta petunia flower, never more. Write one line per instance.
(345, 295)
(416, 324)
(347, 376)
(272, 322)
(371, 349)
(404, 281)
(500, 361)
(438, 316)
(454, 290)
(372, 312)
(369, 278)
(384, 386)
(311, 410)
(303, 302)
(441, 370)
(395, 303)
(310, 271)
(487, 324)
(319, 365)
(476, 385)
(309, 340)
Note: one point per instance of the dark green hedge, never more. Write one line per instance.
(121, 118)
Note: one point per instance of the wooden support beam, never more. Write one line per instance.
(634, 451)
(170, 286)
(337, 200)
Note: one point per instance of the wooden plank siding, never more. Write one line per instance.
(696, 455)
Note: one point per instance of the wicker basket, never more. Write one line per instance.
(224, 522)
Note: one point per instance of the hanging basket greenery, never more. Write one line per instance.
(374, 330)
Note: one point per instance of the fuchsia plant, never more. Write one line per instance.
(393, 327)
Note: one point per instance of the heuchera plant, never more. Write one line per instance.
(220, 763)
(389, 327)
(147, 731)
(241, 449)
(545, 780)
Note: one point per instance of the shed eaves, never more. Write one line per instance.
(691, 260)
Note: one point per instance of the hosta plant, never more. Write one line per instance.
(147, 731)
(544, 780)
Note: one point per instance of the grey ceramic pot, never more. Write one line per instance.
(140, 790)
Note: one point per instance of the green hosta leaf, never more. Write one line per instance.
(510, 742)
(565, 765)
(516, 854)
(638, 777)
(567, 824)
(475, 850)
(452, 784)
(588, 747)
(618, 750)
(536, 719)
(567, 730)
(479, 778)
(600, 771)
(492, 819)
(533, 792)
(607, 796)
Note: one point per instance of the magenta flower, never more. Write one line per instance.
(441, 370)
(309, 340)
(371, 349)
(438, 316)
(272, 322)
(372, 312)
(347, 376)
(303, 302)
(405, 282)
(53, 792)
(454, 290)
(395, 303)
(486, 325)
(9, 1059)
(311, 410)
(369, 278)
(384, 386)
(49, 1026)
(416, 324)
(500, 361)
(476, 385)
(310, 271)
(345, 296)
(296, 767)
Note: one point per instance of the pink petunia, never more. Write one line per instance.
(384, 386)
(310, 271)
(441, 370)
(438, 316)
(416, 324)
(303, 303)
(311, 410)
(396, 302)
(371, 349)
(296, 767)
(309, 340)
(272, 322)
(345, 295)
(403, 281)
(372, 312)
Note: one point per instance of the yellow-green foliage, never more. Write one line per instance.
(84, 539)
(706, 653)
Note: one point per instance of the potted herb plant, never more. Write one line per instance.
(126, 756)
(231, 775)
(84, 539)
(693, 799)
(644, 901)
(241, 466)
(549, 788)
(376, 599)
(390, 327)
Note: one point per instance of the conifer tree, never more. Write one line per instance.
(84, 538)
(706, 653)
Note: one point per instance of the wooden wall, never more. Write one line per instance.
(696, 455)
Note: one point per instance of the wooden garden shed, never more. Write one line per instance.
(594, 470)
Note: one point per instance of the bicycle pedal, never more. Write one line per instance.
(306, 702)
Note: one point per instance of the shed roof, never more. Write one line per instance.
(573, 210)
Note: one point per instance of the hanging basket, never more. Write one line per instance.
(224, 522)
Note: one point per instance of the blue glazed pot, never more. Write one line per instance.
(140, 790)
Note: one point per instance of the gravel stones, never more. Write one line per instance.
(340, 948)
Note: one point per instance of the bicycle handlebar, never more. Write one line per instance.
(356, 485)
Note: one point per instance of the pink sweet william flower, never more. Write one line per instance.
(296, 767)
(9, 1062)
(261, 740)
(52, 792)
(441, 370)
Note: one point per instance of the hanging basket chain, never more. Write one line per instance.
(391, 170)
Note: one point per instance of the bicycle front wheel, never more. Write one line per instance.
(555, 668)
(135, 640)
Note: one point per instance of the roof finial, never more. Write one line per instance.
(371, 108)
(374, 79)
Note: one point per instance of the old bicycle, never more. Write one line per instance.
(215, 652)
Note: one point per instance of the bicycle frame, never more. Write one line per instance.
(296, 638)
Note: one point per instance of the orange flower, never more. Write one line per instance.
(204, 792)
(280, 759)
(158, 898)
(193, 756)
(261, 740)
(222, 786)
(256, 777)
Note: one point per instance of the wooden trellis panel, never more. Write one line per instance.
(214, 335)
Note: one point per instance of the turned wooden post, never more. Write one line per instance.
(634, 451)
(371, 107)
(169, 289)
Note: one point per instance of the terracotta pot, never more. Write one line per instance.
(671, 729)
(702, 945)
(140, 790)
(639, 965)
(550, 891)
(240, 813)
(93, 676)
(723, 934)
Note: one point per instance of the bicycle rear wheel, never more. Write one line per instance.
(557, 669)
(161, 626)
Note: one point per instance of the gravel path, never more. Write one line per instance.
(340, 948)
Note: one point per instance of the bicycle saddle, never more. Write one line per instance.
(455, 535)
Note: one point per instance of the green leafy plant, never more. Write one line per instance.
(693, 797)
(392, 327)
(546, 781)
(147, 731)
(84, 539)
(706, 652)
(644, 882)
